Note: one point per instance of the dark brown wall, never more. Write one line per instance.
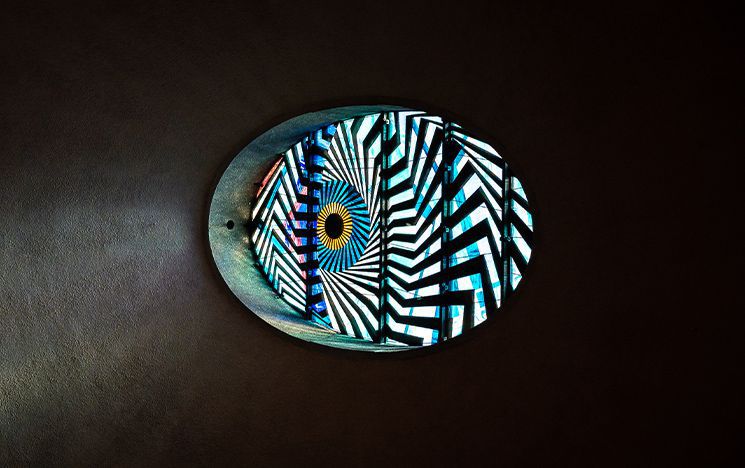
(120, 344)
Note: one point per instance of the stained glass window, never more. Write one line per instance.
(398, 228)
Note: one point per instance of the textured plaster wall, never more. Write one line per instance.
(119, 343)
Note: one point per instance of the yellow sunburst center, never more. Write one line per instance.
(334, 226)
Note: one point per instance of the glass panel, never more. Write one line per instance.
(453, 228)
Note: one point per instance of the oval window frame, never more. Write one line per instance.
(231, 202)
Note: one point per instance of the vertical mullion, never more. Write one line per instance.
(506, 233)
(383, 223)
(316, 147)
(311, 226)
(447, 160)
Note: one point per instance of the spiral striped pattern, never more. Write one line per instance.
(440, 233)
